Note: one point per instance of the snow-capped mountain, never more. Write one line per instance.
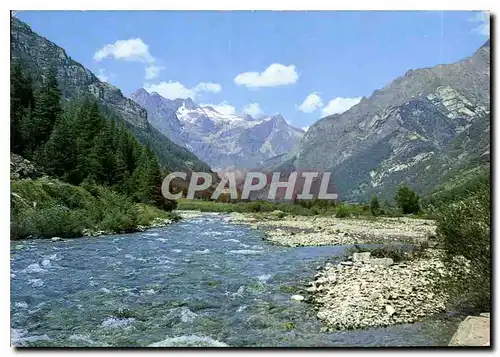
(221, 140)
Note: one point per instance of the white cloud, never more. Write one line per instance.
(339, 105)
(208, 87)
(252, 109)
(273, 76)
(170, 90)
(483, 18)
(223, 107)
(133, 49)
(311, 103)
(153, 71)
(101, 74)
(306, 128)
(174, 90)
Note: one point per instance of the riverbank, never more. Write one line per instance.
(45, 208)
(199, 279)
(296, 231)
(369, 292)
(391, 287)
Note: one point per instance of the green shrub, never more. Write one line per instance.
(464, 230)
(375, 206)
(289, 325)
(47, 208)
(407, 200)
(397, 252)
(342, 212)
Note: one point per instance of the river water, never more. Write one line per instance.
(199, 282)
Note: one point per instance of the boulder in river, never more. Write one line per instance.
(56, 239)
(297, 297)
(473, 331)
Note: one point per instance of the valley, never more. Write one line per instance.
(101, 258)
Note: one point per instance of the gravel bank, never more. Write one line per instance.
(315, 230)
(370, 293)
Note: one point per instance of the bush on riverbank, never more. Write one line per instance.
(397, 252)
(46, 208)
(463, 228)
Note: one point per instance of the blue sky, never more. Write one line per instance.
(261, 62)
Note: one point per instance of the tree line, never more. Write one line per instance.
(78, 142)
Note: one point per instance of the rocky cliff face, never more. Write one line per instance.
(221, 140)
(38, 55)
(419, 129)
(74, 79)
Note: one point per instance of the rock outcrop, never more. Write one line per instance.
(38, 55)
(21, 168)
(423, 128)
(473, 331)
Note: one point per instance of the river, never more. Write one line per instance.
(199, 282)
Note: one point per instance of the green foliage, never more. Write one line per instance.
(82, 142)
(47, 208)
(36, 127)
(280, 215)
(21, 102)
(289, 326)
(375, 206)
(463, 227)
(407, 200)
(343, 212)
(447, 195)
(397, 252)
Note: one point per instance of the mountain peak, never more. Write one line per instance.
(189, 104)
(139, 92)
(278, 118)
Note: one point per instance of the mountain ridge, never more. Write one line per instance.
(223, 140)
(38, 54)
(375, 145)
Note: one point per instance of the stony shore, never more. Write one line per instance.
(296, 231)
(362, 292)
(369, 292)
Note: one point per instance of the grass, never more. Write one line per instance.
(45, 208)
(302, 208)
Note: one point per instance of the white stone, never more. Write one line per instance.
(361, 257)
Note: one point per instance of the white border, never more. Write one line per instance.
(191, 5)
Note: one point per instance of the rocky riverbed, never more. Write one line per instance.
(296, 231)
(368, 292)
(365, 291)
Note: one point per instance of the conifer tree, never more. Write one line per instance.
(59, 157)
(21, 102)
(37, 128)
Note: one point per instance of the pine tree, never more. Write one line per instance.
(375, 206)
(407, 200)
(88, 125)
(37, 128)
(101, 159)
(21, 102)
(147, 179)
(59, 157)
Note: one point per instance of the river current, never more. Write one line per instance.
(198, 282)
